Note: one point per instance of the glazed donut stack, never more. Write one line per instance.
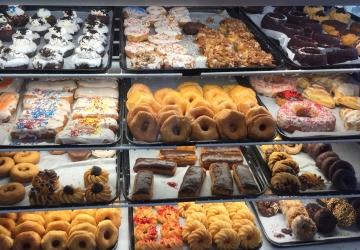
(70, 230)
(146, 233)
(303, 227)
(197, 113)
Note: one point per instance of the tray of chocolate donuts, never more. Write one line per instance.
(289, 223)
(186, 173)
(191, 41)
(58, 178)
(194, 226)
(311, 36)
(55, 39)
(310, 169)
(312, 106)
(60, 112)
(189, 111)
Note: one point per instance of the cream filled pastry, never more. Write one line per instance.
(86, 57)
(38, 25)
(59, 32)
(24, 45)
(13, 60)
(48, 59)
(33, 36)
(69, 24)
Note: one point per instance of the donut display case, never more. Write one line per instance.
(179, 125)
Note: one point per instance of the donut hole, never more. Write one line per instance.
(82, 244)
(55, 243)
(204, 127)
(262, 127)
(107, 235)
(232, 127)
(26, 245)
(145, 126)
(176, 130)
(2, 162)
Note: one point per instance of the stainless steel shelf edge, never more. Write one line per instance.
(183, 2)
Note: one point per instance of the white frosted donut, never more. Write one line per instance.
(134, 12)
(147, 61)
(133, 49)
(179, 61)
(163, 39)
(169, 30)
(136, 33)
(179, 11)
(103, 153)
(153, 18)
(133, 21)
(172, 48)
(156, 10)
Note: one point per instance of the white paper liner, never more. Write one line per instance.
(339, 125)
(161, 188)
(70, 173)
(272, 227)
(281, 37)
(346, 151)
(68, 64)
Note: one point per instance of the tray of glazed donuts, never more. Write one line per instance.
(55, 39)
(190, 111)
(288, 223)
(191, 40)
(310, 169)
(311, 36)
(186, 173)
(314, 106)
(194, 226)
(58, 178)
(63, 229)
(61, 112)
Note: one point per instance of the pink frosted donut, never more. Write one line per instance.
(305, 116)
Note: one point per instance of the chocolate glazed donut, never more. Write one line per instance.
(273, 21)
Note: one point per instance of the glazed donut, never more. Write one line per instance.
(144, 126)
(227, 238)
(190, 86)
(11, 193)
(9, 224)
(261, 127)
(183, 206)
(249, 237)
(12, 216)
(200, 239)
(175, 99)
(31, 217)
(58, 215)
(201, 217)
(7, 154)
(91, 212)
(257, 110)
(170, 229)
(133, 100)
(225, 104)
(106, 235)
(214, 93)
(81, 218)
(305, 116)
(58, 226)
(199, 102)
(27, 241)
(175, 129)
(216, 226)
(112, 214)
(146, 100)
(85, 226)
(6, 242)
(162, 93)
(209, 86)
(292, 149)
(204, 128)
(4, 231)
(138, 87)
(199, 111)
(82, 240)
(190, 227)
(27, 157)
(23, 172)
(130, 116)
(190, 96)
(164, 115)
(170, 107)
(29, 226)
(231, 124)
(6, 163)
(245, 105)
(167, 213)
(145, 232)
(54, 240)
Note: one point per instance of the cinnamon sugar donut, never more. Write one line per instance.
(144, 126)
(54, 240)
(6, 164)
(194, 113)
(231, 124)
(27, 241)
(166, 114)
(9, 224)
(175, 129)
(11, 193)
(130, 116)
(106, 235)
(261, 127)
(29, 226)
(160, 94)
(204, 128)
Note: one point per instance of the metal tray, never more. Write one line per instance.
(275, 44)
(129, 137)
(345, 151)
(14, 144)
(233, 12)
(117, 167)
(318, 239)
(110, 36)
(247, 157)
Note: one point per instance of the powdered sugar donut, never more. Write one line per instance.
(172, 48)
(162, 39)
(137, 33)
(134, 12)
(179, 61)
(156, 10)
(133, 49)
(147, 61)
(305, 116)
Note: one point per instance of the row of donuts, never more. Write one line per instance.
(46, 188)
(201, 113)
(58, 36)
(62, 230)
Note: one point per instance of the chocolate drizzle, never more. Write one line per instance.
(97, 188)
(95, 170)
(68, 190)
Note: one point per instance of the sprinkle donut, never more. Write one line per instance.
(305, 116)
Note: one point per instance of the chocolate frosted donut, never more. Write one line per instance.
(325, 40)
(321, 157)
(290, 29)
(296, 17)
(283, 9)
(298, 41)
(254, 9)
(325, 165)
(192, 28)
(341, 54)
(318, 149)
(311, 27)
(344, 179)
(310, 56)
(340, 164)
(336, 24)
(355, 28)
(273, 21)
(325, 221)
